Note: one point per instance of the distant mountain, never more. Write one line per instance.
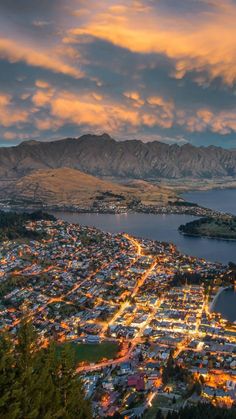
(71, 187)
(102, 156)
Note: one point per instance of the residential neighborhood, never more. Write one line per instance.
(137, 312)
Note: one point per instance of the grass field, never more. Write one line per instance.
(95, 352)
(159, 402)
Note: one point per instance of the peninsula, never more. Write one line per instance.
(221, 227)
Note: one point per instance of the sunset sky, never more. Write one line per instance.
(152, 70)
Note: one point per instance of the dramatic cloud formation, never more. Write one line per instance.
(207, 42)
(148, 69)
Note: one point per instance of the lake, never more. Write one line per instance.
(217, 199)
(165, 227)
(226, 304)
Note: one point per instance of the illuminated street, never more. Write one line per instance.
(83, 286)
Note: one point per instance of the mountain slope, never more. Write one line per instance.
(102, 156)
(72, 187)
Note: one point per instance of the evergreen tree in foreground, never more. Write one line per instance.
(38, 383)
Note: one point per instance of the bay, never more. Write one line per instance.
(218, 199)
(158, 227)
(226, 304)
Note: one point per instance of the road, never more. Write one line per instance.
(123, 307)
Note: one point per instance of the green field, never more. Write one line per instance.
(158, 403)
(85, 352)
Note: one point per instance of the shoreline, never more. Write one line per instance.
(192, 210)
(188, 188)
(213, 302)
(205, 189)
(164, 211)
(206, 237)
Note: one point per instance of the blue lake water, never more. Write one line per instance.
(226, 304)
(217, 199)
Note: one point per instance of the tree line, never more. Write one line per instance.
(200, 411)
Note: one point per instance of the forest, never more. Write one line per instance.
(12, 224)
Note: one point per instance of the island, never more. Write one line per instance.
(222, 227)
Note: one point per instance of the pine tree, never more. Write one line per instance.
(8, 383)
(38, 383)
(47, 392)
(159, 414)
(26, 353)
(72, 397)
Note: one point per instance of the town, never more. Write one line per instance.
(115, 205)
(136, 311)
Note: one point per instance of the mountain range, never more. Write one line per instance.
(104, 157)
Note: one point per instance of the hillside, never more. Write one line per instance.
(67, 186)
(223, 227)
(102, 156)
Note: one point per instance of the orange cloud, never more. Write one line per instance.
(42, 97)
(71, 109)
(135, 97)
(156, 101)
(47, 124)
(97, 96)
(206, 44)
(9, 135)
(9, 115)
(132, 95)
(66, 108)
(15, 51)
(21, 136)
(25, 96)
(223, 122)
(99, 112)
(165, 110)
(42, 84)
(96, 111)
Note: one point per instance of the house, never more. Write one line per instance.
(125, 367)
(137, 381)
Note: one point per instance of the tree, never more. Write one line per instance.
(38, 383)
(206, 411)
(7, 379)
(12, 225)
(117, 415)
(159, 414)
(71, 394)
(141, 359)
(167, 371)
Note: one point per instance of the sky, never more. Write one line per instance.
(152, 70)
